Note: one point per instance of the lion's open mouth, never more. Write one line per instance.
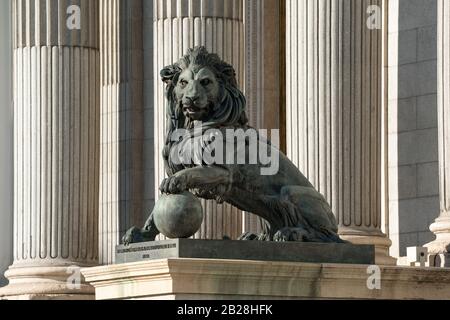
(193, 110)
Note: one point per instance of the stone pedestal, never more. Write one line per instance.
(334, 111)
(56, 154)
(441, 227)
(247, 250)
(185, 279)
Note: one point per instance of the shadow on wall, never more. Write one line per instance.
(127, 190)
(131, 120)
(136, 160)
(418, 179)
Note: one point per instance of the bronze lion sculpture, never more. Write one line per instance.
(202, 92)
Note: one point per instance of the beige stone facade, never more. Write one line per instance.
(358, 90)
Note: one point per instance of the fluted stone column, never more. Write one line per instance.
(122, 122)
(334, 111)
(178, 26)
(56, 139)
(441, 227)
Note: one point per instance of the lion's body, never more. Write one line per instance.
(286, 200)
(203, 93)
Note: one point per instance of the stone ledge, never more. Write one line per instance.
(238, 279)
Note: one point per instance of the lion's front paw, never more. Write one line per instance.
(133, 235)
(173, 185)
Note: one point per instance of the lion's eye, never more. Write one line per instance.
(205, 82)
(183, 83)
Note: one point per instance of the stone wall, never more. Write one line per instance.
(262, 73)
(412, 114)
(6, 140)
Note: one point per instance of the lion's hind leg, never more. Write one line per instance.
(297, 234)
(313, 220)
(250, 236)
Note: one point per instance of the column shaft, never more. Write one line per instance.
(334, 111)
(178, 26)
(441, 227)
(56, 101)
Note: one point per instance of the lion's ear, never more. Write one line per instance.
(169, 73)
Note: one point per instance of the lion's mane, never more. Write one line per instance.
(229, 112)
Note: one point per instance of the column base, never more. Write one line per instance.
(441, 228)
(42, 297)
(441, 260)
(381, 242)
(27, 282)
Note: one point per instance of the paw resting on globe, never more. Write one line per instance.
(174, 184)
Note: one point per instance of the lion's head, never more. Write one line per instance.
(202, 87)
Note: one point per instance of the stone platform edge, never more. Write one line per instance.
(186, 279)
